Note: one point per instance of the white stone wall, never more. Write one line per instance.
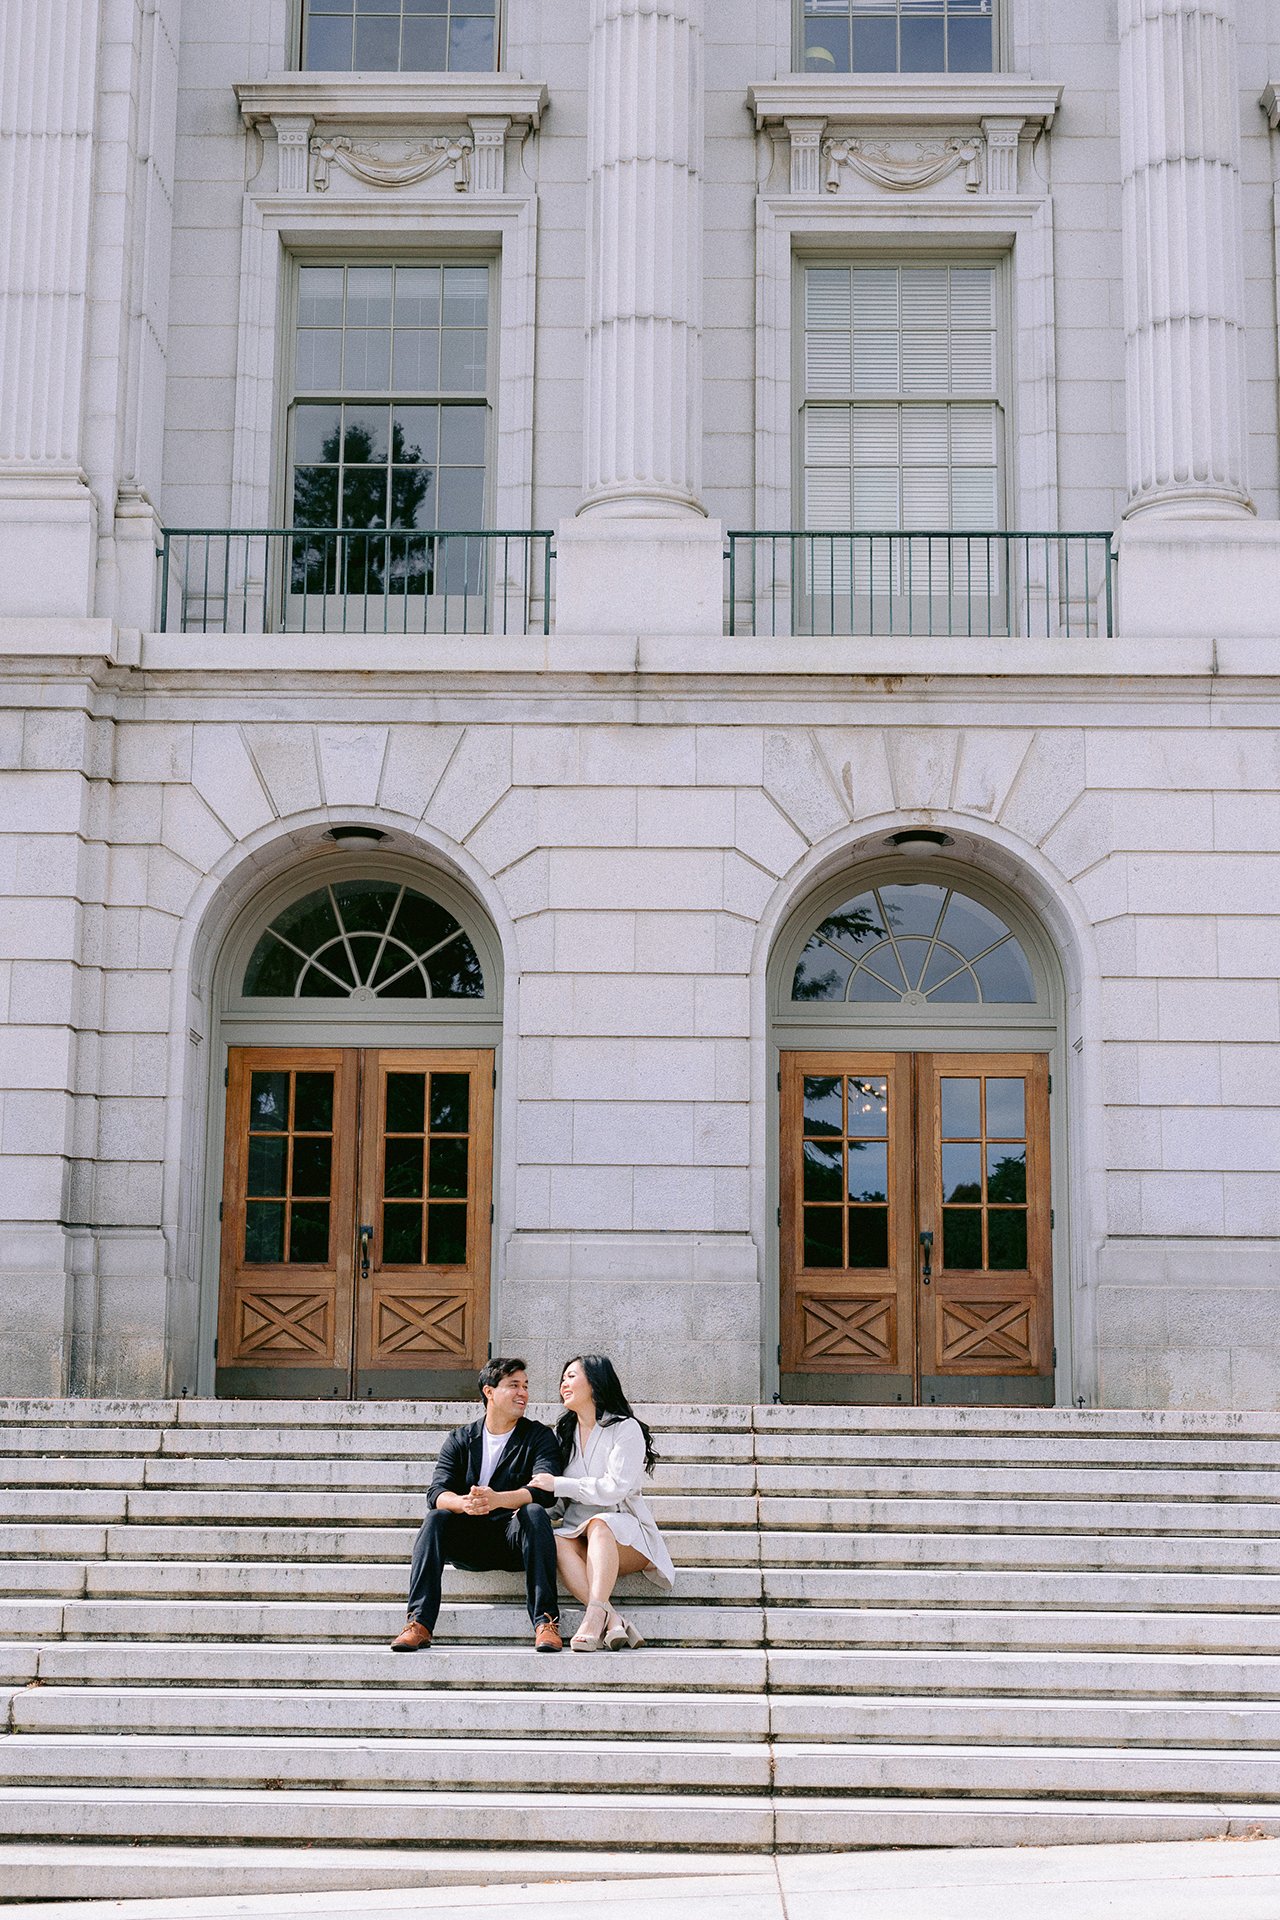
(637, 852)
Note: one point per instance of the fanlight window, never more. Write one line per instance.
(914, 943)
(365, 940)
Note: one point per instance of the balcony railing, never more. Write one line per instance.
(317, 580)
(1055, 586)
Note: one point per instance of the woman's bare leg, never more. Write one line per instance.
(607, 1561)
(571, 1562)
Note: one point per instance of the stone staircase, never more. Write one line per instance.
(891, 1628)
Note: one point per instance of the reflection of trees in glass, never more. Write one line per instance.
(850, 924)
(1007, 1180)
(355, 561)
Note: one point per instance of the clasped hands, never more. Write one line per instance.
(482, 1501)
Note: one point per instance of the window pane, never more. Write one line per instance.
(923, 46)
(969, 46)
(377, 46)
(313, 1102)
(471, 44)
(461, 498)
(405, 1100)
(466, 296)
(1007, 1241)
(962, 1173)
(868, 1170)
(821, 1170)
(316, 432)
(447, 1235)
(868, 1115)
(1006, 1109)
(448, 1179)
(869, 1237)
(264, 1232)
(416, 361)
(823, 1238)
(318, 359)
(415, 434)
(826, 46)
(1007, 1175)
(328, 43)
(403, 1171)
(463, 355)
(462, 435)
(402, 1235)
(269, 1103)
(312, 1164)
(875, 46)
(823, 1112)
(450, 1102)
(366, 359)
(424, 47)
(961, 1109)
(315, 496)
(309, 1233)
(1005, 976)
(268, 1165)
(320, 296)
(962, 1238)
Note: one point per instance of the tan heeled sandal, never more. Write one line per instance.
(621, 1634)
(584, 1641)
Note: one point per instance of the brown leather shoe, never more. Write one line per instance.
(546, 1637)
(414, 1638)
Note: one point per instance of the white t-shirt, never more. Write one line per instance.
(493, 1446)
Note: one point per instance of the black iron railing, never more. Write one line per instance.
(1058, 586)
(348, 580)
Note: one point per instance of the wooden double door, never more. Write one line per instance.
(356, 1222)
(916, 1229)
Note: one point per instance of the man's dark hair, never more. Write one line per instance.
(499, 1370)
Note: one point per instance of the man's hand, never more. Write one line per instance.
(481, 1501)
(544, 1482)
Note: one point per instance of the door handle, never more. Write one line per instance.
(366, 1238)
(926, 1247)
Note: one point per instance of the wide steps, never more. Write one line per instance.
(725, 1823)
(891, 1627)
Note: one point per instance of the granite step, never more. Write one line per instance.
(745, 1823)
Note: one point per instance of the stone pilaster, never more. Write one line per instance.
(642, 555)
(48, 80)
(644, 267)
(1184, 288)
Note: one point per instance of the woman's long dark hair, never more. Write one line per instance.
(611, 1404)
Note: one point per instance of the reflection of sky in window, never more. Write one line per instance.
(917, 938)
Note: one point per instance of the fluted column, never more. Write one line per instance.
(643, 429)
(1183, 238)
(48, 75)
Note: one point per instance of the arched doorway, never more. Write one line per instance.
(359, 1030)
(916, 1016)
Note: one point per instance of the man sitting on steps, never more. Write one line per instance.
(482, 1513)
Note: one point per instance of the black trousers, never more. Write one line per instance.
(505, 1541)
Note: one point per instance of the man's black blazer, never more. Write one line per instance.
(531, 1448)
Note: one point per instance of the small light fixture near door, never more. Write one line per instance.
(917, 843)
(355, 836)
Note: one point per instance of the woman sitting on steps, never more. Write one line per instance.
(606, 1529)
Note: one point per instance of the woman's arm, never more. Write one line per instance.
(623, 1470)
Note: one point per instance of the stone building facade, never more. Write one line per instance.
(780, 973)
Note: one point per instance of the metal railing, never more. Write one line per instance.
(1057, 586)
(348, 580)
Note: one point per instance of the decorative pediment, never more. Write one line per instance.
(384, 133)
(941, 135)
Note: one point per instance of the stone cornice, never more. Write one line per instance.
(393, 100)
(1270, 104)
(905, 99)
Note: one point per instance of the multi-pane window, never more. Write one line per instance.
(390, 421)
(901, 418)
(898, 36)
(400, 36)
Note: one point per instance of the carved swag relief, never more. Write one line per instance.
(922, 166)
(402, 165)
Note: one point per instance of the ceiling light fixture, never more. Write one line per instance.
(917, 843)
(343, 836)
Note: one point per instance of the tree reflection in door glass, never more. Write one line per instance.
(868, 1237)
(264, 1232)
(822, 1170)
(822, 1106)
(450, 1102)
(446, 1236)
(962, 1238)
(309, 1233)
(823, 1237)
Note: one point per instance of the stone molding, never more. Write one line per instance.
(1270, 104)
(922, 134)
(389, 134)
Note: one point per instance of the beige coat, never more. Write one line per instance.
(606, 1480)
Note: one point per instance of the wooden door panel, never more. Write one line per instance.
(286, 1278)
(846, 1192)
(425, 1198)
(984, 1194)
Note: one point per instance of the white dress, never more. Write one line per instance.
(604, 1482)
